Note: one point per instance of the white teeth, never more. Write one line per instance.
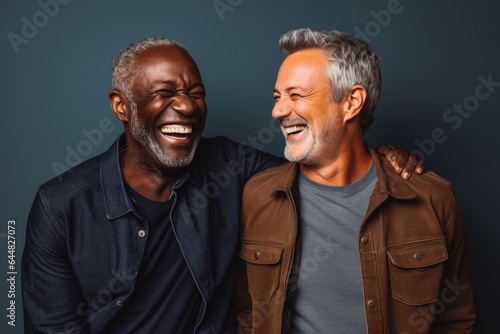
(293, 129)
(176, 129)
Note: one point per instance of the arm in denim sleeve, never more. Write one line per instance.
(252, 161)
(51, 293)
(455, 310)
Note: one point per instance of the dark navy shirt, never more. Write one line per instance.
(84, 243)
(164, 280)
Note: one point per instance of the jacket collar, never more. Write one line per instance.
(389, 181)
(288, 174)
(116, 198)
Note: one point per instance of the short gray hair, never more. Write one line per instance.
(123, 71)
(352, 62)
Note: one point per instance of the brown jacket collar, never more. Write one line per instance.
(389, 181)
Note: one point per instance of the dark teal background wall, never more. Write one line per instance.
(55, 76)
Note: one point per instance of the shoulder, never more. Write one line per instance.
(213, 153)
(271, 180)
(72, 181)
(222, 149)
(433, 178)
(272, 174)
(219, 141)
(219, 147)
(436, 193)
(430, 184)
(433, 196)
(427, 195)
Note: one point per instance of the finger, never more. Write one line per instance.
(389, 152)
(410, 166)
(402, 160)
(420, 167)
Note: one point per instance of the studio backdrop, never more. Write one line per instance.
(440, 96)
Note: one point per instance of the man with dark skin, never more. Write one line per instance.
(142, 238)
(170, 81)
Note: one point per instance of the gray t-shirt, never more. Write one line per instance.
(329, 297)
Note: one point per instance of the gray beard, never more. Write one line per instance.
(146, 138)
(322, 142)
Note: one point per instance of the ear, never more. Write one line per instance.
(120, 105)
(354, 102)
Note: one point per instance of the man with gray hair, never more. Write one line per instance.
(142, 238)
(335, 241)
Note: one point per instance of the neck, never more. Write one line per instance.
(146, 178)
(348, 163)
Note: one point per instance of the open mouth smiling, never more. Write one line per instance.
(289, 130)
(180, 131)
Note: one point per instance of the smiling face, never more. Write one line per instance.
(311, 122)
(168, 110)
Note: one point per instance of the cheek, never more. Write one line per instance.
(201, 105)
(201, 114)
(151, 109)
(321, 102)
(308, 109)
(159, 104)
(301, 107)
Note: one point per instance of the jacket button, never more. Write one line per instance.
(142, 233)
(119, 303)
(364, 241)
(256, 254)
(418, 256)
(370, 303)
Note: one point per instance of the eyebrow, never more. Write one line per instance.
(164, 83)
(288, 89)
(172, 83)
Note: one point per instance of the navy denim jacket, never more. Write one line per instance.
(85, 242)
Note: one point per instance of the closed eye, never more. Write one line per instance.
(165, 93)
(197, 95)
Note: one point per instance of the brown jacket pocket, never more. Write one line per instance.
(416, 271)
(263, 264)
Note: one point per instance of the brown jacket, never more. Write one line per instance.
(411, 246)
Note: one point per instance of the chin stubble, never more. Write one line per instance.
(320, 141)
(147, 138)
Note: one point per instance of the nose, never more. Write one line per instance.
(281, 109)
(183, 104)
